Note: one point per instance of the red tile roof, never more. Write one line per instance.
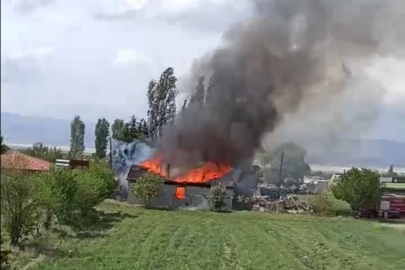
(17, 160)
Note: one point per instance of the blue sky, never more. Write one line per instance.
(95, 57)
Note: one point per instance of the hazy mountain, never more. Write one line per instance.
(20, 129)
(353, 152)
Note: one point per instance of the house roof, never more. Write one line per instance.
(136, 171)
(16, 160)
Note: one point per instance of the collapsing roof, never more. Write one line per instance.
(136, 171)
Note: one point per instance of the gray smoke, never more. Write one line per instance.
(291, 56)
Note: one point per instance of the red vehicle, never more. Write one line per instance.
(391, 206)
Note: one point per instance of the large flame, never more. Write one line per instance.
(204, 174)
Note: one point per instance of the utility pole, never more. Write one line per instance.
(280, 174)
(111, 161)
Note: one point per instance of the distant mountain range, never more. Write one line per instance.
(18, 129)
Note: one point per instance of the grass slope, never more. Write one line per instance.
(134, 238)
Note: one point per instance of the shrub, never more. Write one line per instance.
(71, 194)
(321, 203)
(147, 186)
(94, 186)
(17, 206)
(105, 183)
(216, 197)
(359, 188)
(55, 193)
(5, 252)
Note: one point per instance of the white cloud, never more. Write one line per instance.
(136, 4)
(36, 53)
(130, 56)
(43, 51)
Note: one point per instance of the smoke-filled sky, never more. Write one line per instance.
(95, 57)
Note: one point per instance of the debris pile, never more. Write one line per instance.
(273, 199)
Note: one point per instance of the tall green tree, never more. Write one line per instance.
(102, 132)
(133, 131)
(41, 151)
(118, 129)
(153, 110)
(77, 131)
(143, 128)
(162, 102)
(4, 148)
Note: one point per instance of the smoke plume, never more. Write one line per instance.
(291, 56)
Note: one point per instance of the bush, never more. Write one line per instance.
(55, 193)
(322, 203)
(5, 252)
(216, 197)
(94, 186)
(359, 188)
(17, 206)
(147, 186)
(71, 195)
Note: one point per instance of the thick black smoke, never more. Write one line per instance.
(288, 55)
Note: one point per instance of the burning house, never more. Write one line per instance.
(191, 189)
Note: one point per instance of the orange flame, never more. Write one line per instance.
(204, 174)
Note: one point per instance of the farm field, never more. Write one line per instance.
(134, 238)
(399, 186)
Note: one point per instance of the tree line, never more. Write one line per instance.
(161, 96)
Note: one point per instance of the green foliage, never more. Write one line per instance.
(118, 130)
(143, 128)
(55, 192)
(95, 184)
(216, 197)
(41, 151)
(77, 131)
(322, 204)
(4, 148)
(71, 195)
(162, 102)
(131, 131)
(17, 206)
(147, 186)
(4, 252)
(359, 188)
(102, 132)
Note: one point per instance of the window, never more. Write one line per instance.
(180, 193)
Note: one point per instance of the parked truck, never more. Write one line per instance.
(391, 206)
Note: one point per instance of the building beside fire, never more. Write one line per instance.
(190, 194)
(14, 160)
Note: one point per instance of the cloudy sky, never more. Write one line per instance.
(95, 57)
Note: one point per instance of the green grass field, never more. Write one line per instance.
(399, 186)
(133, 238)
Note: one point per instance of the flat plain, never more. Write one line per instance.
(130, 237)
